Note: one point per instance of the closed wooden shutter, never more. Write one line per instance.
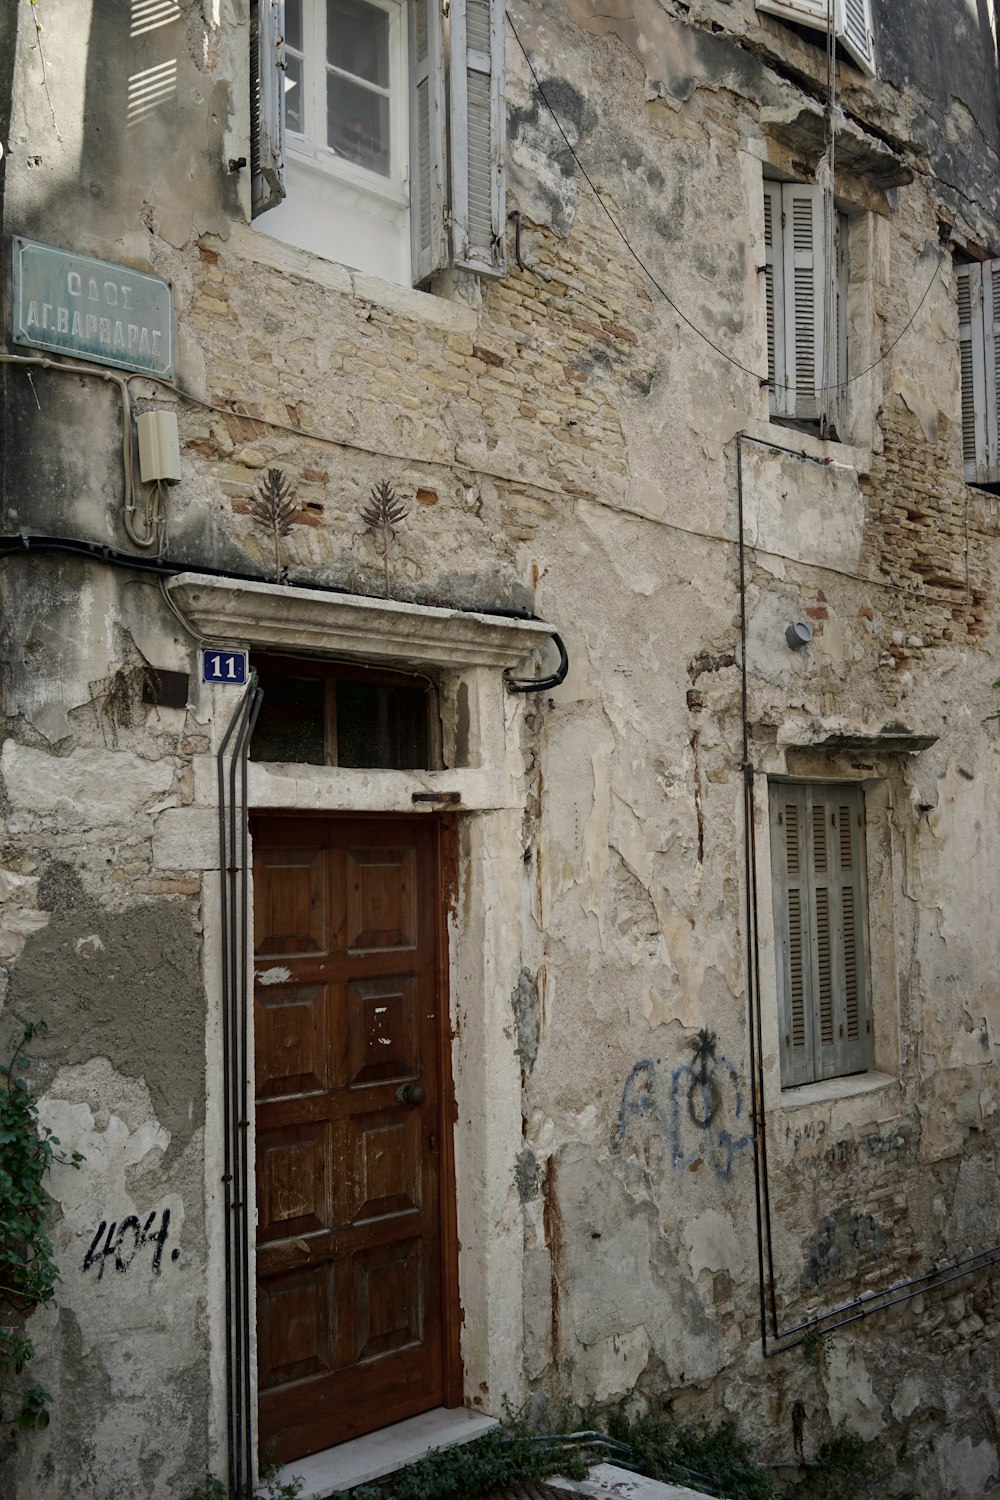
(428, 240)
(267, 124)
(477, 135)
(979, 360)
(820, 914)
(793, 941)
(804, 270)
(854, 27)
(774, 281)
(973, 379)
(991, 355)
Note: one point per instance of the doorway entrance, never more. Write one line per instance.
(357, 1286)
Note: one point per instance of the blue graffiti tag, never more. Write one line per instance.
(708, 1089)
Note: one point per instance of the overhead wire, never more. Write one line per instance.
(826, 177)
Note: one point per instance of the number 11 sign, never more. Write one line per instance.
(228, 667)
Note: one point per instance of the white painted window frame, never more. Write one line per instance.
(310, 147)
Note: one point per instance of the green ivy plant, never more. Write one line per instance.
(506, 1454)
(28, 1272)
(845, 1468)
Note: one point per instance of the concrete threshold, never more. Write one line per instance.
(366, 1458)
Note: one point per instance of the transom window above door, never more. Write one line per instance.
(331, 714)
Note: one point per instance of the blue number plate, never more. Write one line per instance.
(229, 667)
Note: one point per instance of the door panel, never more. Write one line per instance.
(354, 1317)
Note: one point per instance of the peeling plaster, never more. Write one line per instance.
(850, 1393)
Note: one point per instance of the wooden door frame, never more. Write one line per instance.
(445, 826)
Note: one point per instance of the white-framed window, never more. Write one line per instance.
(344, 88)
(366, 149)
(852, 24)
(979, 354)
(820, 899)
(806, 295)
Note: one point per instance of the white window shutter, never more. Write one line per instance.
(851, 1041)
(805, 12)
(804, 283)
(478, 131)
(428, 238)
(972, 358)
(821, 931)
(991, 361)
(792, 910)
(774, 280)
(852, 24)
(267, 104)
(854, 27)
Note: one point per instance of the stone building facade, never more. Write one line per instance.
(617, 1029)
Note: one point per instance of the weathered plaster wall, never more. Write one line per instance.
(566, 444)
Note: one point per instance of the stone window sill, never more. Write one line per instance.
(422, 307)
(829, 1090)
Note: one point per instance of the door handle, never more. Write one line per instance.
(411, 1093)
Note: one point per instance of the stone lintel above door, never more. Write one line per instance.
(291, 618)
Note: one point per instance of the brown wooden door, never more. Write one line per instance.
(355, 1319)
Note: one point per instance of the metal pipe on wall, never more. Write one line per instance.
(234, 879)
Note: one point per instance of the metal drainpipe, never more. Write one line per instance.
(761, 1193)
(235, 986)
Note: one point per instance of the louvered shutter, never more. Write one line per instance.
(991, 354)
(267, 113)
(792, 935)
(774, 281)
(806, 12)
(851, 1040)
(804, 275)
(973, 374)
(477, 135)
(820, 911)
(428, 239)
(854, 27)
(979, 353)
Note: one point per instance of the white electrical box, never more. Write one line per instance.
(159, 447)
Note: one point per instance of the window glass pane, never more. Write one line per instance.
(293, 24)
(357, 40)
(293, 94)
(381, 726)
(290, 725)
(405, 728)
(358, 124)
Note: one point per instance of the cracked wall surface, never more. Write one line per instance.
(567, 443)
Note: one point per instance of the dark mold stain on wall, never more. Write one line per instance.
(133, 996)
